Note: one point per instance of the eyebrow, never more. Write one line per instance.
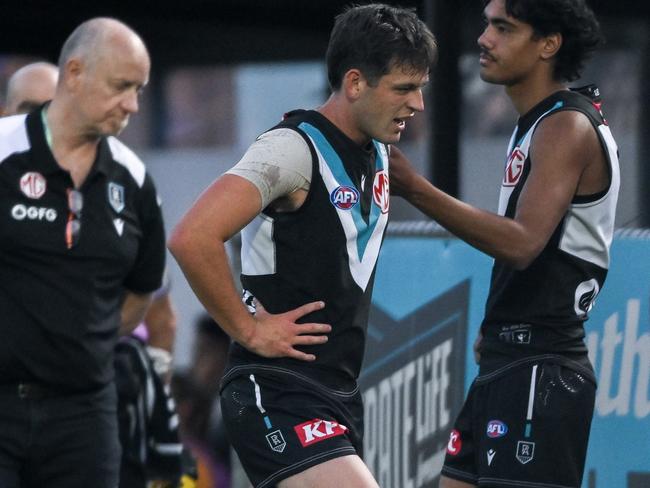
(500, 21)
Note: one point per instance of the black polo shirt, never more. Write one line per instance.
(60, 306)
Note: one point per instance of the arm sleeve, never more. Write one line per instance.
(147, 272)
(278, 163)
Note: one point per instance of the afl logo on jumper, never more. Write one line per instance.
(116, 196)
(344, 197)
(33, 184)
(380, 190)
(514, 168)
(496, 428)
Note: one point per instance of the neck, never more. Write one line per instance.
(525, 95)
(73, 149)
(338, 112)
(67, 132)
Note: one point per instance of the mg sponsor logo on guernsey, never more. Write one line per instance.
(344, 197)
(381, 190)
(33, 184)
(514, 168)
(318, 430)
(496, 428)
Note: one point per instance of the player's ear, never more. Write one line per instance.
(551, 44)
(352, 84)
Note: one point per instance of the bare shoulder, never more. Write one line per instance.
(568, 140)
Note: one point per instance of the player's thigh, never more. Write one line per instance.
(347, 471)
(451, 483)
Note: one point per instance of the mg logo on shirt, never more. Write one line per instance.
(380, 190)
(33, 184)
(318, 430)
(514, 168)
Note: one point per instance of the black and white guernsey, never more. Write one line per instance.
(326, 250)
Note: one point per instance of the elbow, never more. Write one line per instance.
(179, 242)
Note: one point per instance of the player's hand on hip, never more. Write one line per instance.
(277, 335)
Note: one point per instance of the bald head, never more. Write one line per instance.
(31, 86)
(99, 37)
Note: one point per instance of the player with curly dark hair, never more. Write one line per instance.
(528, 413)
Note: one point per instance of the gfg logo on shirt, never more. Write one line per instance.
(344, 197)
(496, 428)
(22, 212)
(318, 430)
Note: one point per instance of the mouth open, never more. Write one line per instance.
(401, 123)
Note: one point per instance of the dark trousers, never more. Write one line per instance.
(58, 441)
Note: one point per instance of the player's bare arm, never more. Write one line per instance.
(198, 244)
(563, 148)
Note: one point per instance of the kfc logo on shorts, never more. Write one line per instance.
(344, 197)
(33, 184)
(496, 428)
(381, 191)
(318, 430)
(455, 443)
(514, 168)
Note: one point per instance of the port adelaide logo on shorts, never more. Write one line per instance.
(276, 441)
(344, 197)
(496, 428)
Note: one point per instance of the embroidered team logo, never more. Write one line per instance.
(33, 184)
(525, 451)
(116, 196)
(514, 168)
(344, 197)
(318, 430)
(276, 441)
(381, 191)
(455, 443)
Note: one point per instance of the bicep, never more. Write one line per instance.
(557, 163)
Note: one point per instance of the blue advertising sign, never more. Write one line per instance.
(429, 295)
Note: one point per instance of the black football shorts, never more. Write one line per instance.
(527, 427)
(281, 423)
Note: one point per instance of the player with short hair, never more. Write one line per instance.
(311, 196)
(30, 87)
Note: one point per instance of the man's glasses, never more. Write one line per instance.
(73, 227)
